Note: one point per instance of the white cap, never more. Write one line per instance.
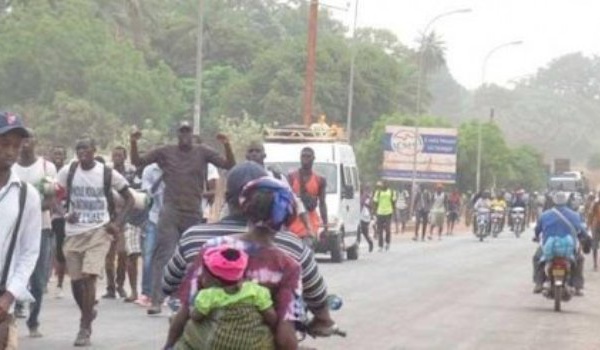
(560, 198)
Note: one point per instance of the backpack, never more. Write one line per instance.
(13, 238)
(107, 180)
(139, 216)
(309, 201)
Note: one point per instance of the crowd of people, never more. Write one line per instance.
(89, 217)
(253, 268)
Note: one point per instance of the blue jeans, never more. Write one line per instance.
(148, 245)
(39, 278)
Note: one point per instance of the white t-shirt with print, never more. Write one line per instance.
(87, 199)
(33, 175)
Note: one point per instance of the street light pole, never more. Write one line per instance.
(479, 128)
(351, 81)
(420, 74)
(311, 62)
(199, 44)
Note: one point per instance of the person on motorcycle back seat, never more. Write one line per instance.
(560, 227)
(499, 204)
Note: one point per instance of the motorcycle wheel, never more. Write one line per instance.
(558, 292)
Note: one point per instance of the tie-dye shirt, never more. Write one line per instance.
(267, 265)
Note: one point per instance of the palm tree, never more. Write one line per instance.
(433, 49)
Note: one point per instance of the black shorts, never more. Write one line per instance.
(58, 227)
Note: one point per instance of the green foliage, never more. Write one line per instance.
(46, 50)
(241, 131)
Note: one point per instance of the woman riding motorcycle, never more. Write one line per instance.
(268, 204)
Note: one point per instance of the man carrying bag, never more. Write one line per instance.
(20, 229)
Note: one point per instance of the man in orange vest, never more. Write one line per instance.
(310, 187)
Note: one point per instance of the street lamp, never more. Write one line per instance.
(479, 131)
(351, 81)
(419, 83)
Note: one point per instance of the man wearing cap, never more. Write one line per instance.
(41, 174)
(24, 224)
(184, 166)
(560, 224)
(314, 289)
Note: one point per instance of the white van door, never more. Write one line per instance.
(350, 200)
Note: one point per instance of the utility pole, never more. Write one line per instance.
(352, 69)
(311, 62)
(199, 44)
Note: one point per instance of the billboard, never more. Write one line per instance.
(436, 154)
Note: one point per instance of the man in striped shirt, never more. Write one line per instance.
(314, 288)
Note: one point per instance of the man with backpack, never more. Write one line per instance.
(92, 224)
(20, 228)
(384, 204)
(41, 174)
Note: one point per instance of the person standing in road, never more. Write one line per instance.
(20, 228)
(439, 208)
(365, 216)
(384, 204)
(311, 188)
(183, 166)
(421, 206)
(92, 224)
(40, 173)
(153, 185)
(402, 214)
(58, 157)
(115, 281)
(454, 206)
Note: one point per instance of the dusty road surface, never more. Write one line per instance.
(456, 293)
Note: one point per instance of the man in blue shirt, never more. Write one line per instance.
(556, 223)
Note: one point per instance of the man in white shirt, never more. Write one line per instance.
(41, 174)
(91, 225)
(20, 264)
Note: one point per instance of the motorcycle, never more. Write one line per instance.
(497, 221)
(518, 220)
(482, 223)
(558, 272)
(334, 303)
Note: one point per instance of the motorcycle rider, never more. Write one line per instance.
(499, 204)
(517, 202)
(483, 202)
(557, 223)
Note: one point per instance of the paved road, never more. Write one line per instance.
(454, 294)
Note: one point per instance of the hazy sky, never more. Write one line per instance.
(548, 29)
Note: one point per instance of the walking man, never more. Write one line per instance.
(58, 157)
(402, 214)
(20, 229)
(41, 174)
(92, 224)
(439, 208)
(384, 204)
(422, 206)
(183, 166)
